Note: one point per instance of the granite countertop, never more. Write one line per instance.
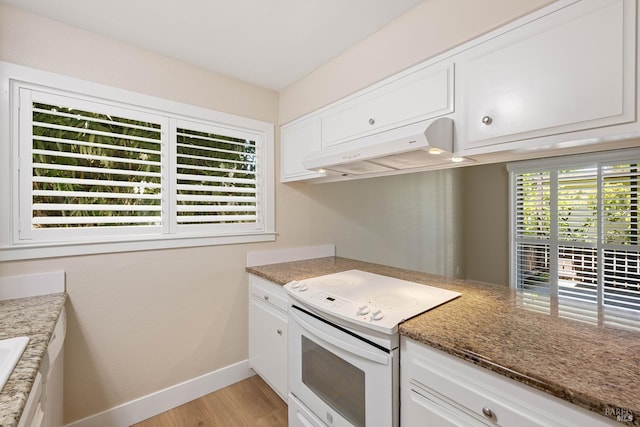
(34, 317)
(595, 367)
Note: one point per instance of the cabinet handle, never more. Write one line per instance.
(279, 331)
(487, 412)
(371, 121)
(487, 120)
(266, 297)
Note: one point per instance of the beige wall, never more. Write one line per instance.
(38, 42)
(486, 223)
(143, 321)
(411, 221)
(140, 321)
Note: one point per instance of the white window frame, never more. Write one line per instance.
(13, 77)
(575, 310)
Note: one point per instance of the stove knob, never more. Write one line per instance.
(377, 315)
(295, 284)
(303, 288)
(362, 310)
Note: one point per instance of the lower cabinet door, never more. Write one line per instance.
(32, 415)
(268, 345)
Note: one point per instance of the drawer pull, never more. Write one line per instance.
(266, 297)
(371, 121)
(487, 120)
(279, 332)
(487, 412)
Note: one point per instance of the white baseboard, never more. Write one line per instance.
(155, 403)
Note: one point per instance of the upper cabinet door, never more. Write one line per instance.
(571, 70)
(421, 95)
(296, 141)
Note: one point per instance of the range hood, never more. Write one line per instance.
(419, 145)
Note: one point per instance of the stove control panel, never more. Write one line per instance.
(366, 299)
(361, 311)
(325, 299)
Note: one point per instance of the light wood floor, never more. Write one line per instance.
(249, 403)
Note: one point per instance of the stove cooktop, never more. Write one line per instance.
(370, 300)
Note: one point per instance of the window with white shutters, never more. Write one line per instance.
(90, 170)
(217, 172)
(575, 235)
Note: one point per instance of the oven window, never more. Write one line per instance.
(338, 383)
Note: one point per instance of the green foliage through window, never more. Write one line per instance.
(93, 170)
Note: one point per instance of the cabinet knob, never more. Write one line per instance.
(266, 297)
(487, 412)
(371, 121)
(279, 331)
(487, 120)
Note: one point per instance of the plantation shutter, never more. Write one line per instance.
(87, 168)
(532, 232)
(577, 221)
(575, 238)
(620, 252)
(219, 181)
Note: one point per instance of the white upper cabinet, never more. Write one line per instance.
(409, 97)
(570, 70)
(421, 95)
(296, 141)
(564, 76)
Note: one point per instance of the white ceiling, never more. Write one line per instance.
(270, 43)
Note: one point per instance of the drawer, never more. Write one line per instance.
(459, 393)
(424, 94)
(451, 385)
(57, 338)
(425, 409)
(268, 292)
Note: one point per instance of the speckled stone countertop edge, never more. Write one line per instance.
(34, 317)
(543, 384)
(601, 404)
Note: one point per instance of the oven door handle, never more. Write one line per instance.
(339, 344)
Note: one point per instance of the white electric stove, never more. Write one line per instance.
(343, 346)
(371, 300)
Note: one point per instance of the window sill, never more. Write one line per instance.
(54, 250)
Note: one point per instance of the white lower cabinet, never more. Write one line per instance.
(44, 404)
(439, 390)
(33, 413)
(268, 333)
(53, 386)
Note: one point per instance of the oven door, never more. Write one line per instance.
(338, 376)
